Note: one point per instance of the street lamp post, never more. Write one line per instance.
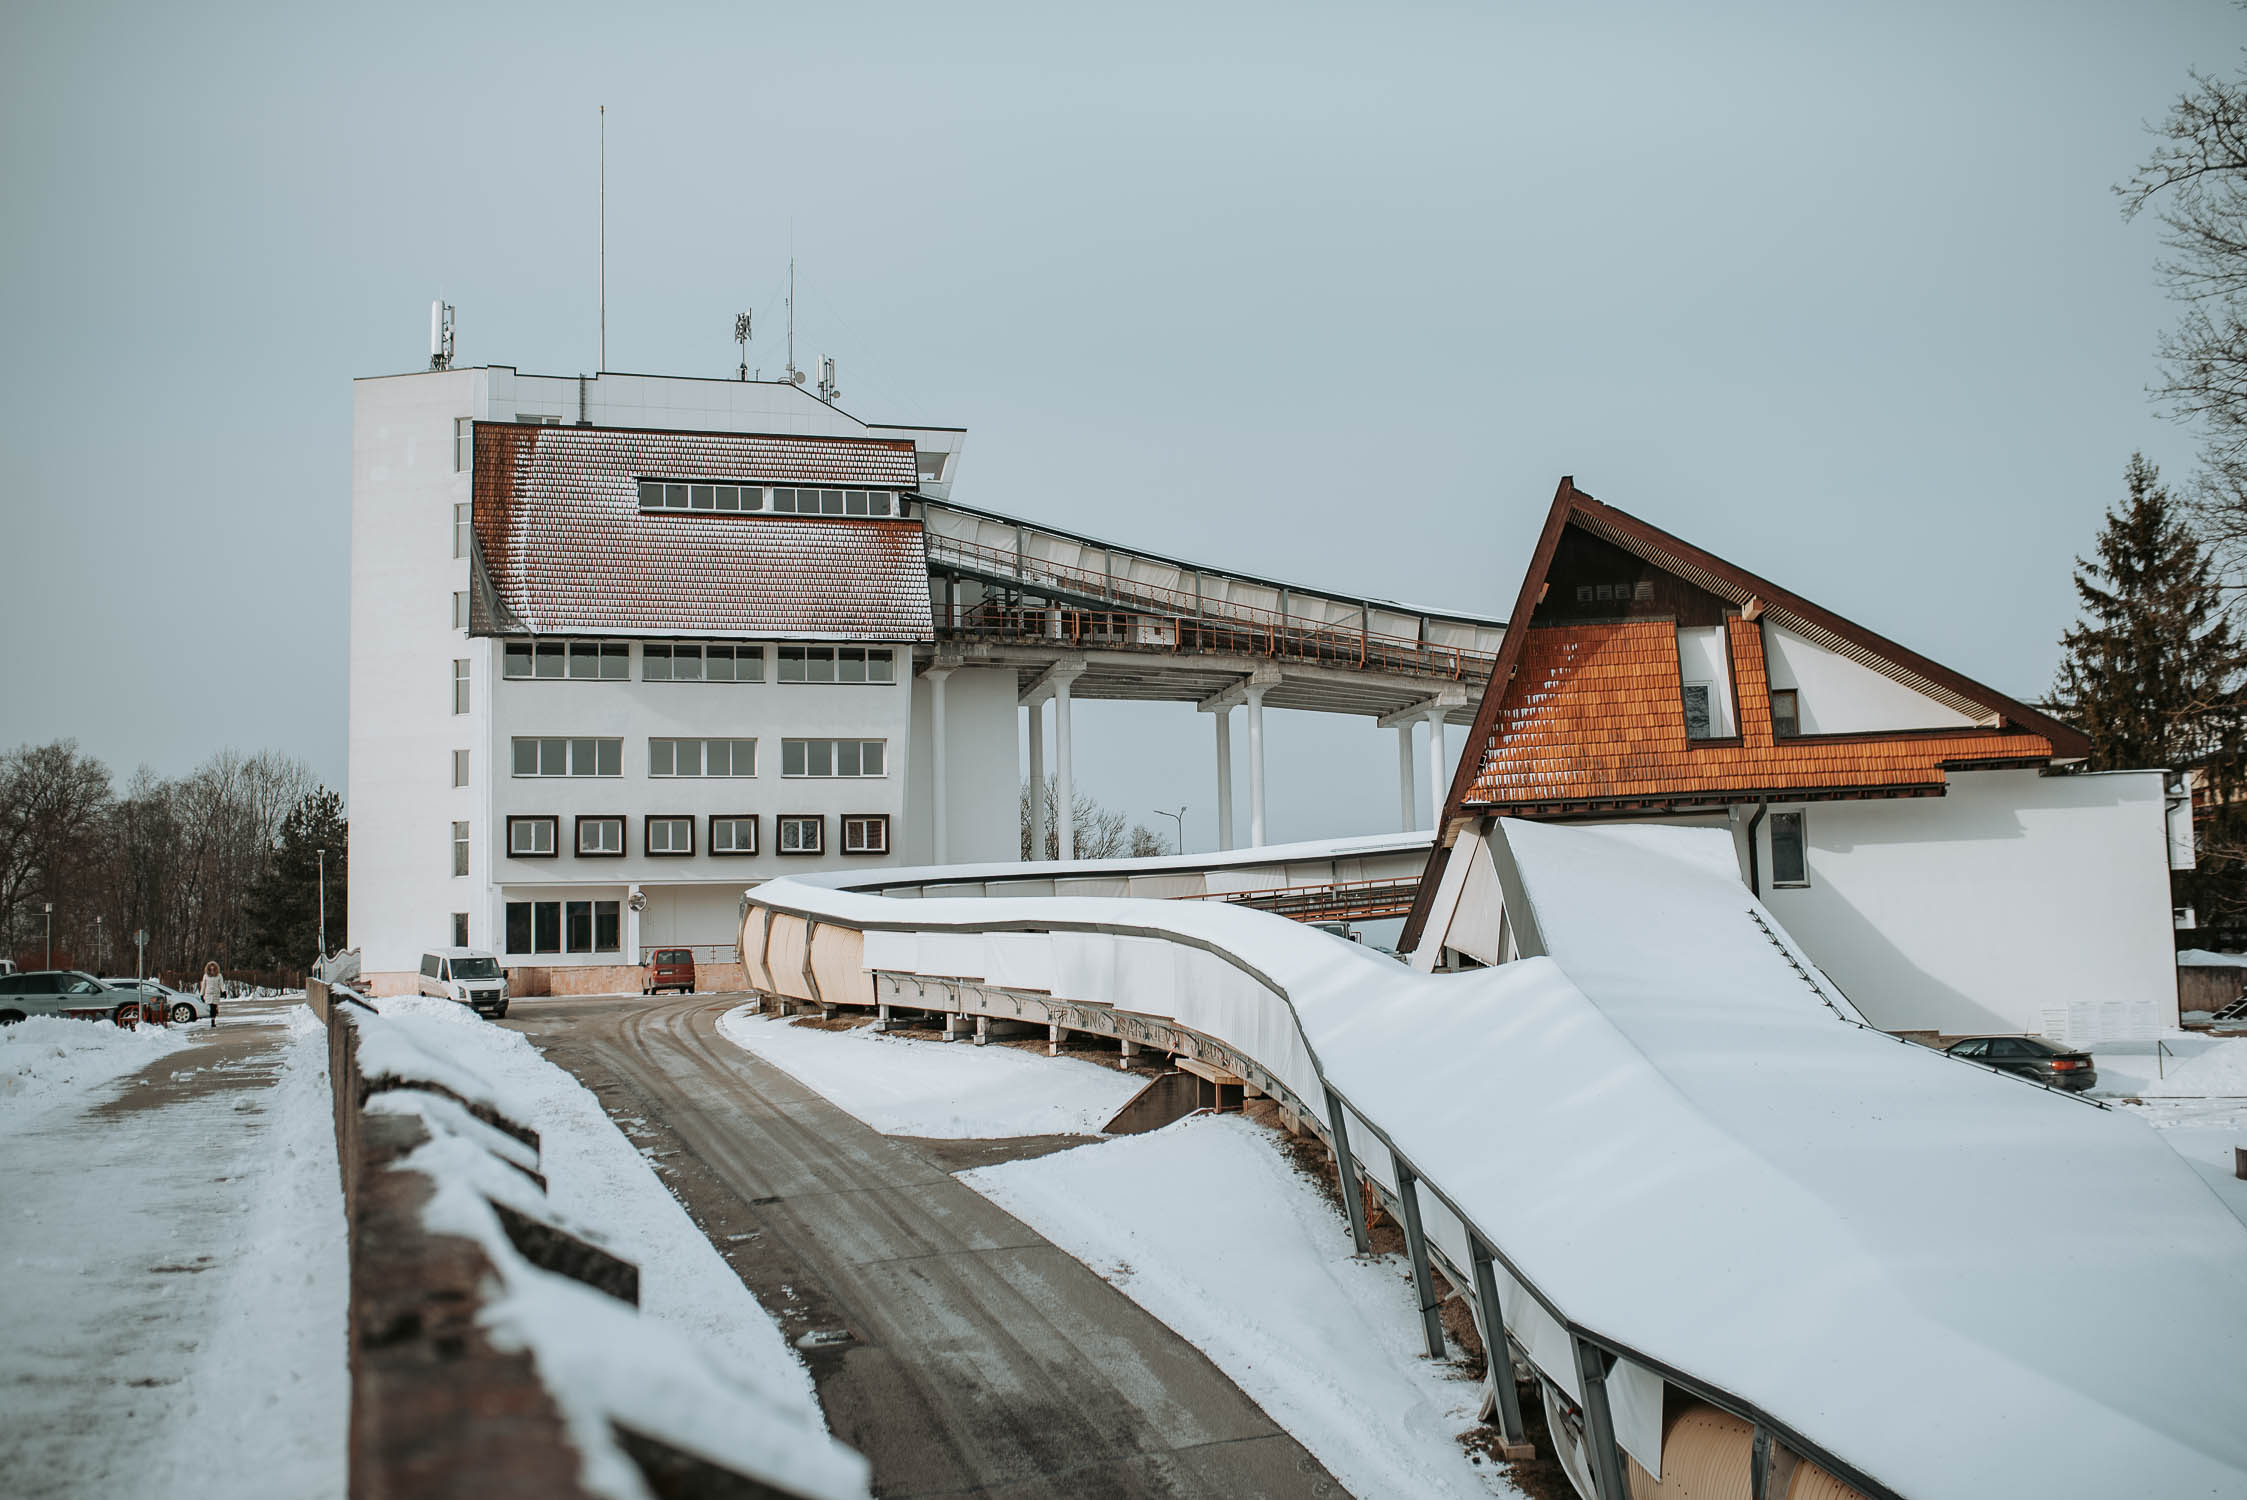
(323, 904)
(1178, 817)
(50, 934)
(101, 945)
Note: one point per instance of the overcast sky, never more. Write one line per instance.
(1331, 294)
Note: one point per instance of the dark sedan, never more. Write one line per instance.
(2031, 1057)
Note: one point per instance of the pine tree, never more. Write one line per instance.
(2151, 673)
(284, 906)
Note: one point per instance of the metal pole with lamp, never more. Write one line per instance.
(1178, 817)
(50, 934)
(323, 904)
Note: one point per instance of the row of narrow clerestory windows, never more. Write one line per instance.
(786, 500)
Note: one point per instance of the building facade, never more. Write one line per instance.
(623, 646)
(1933, 845)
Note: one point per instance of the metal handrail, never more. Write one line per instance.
(1154, 605)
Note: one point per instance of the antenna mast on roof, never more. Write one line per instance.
(604, 364)
(829, 392)
(794, 375)
(440, 335)
(741, 337)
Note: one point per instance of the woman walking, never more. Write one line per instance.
(211, 988)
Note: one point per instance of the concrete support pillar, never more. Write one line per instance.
(1053, 1041)
(1037, 781)
(1437, 785)
(982, 1031)
(1130, 1050)
(632, 904)
(1408, 800)
(1224, 719)
(1065, 794)
(881, 1016)
(940, 842)
(1255, 697)
(955, 1027)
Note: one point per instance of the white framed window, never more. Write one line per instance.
(673, 757)
(833, 757)
(556, 756)
(866, 833)
(533, 837)
(734, 835)
(690, 661)
(460, 929)
(460, 609)
(460, 529)
(669, 836)
(601, 836)
(802, 835)
(460, 686)
(664, 494)
(825, 502)
(460, 854)
(837, 664)
(464, 444)
(1790, 850)
(460, 774)
(580, 661)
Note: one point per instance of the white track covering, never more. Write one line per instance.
(1953, 1281)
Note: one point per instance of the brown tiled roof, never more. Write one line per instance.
(1596, 717)
(566, 549)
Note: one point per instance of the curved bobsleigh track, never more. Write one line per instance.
(1726, 1224)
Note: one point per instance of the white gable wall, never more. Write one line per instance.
(2016, 903)
(1838, 696)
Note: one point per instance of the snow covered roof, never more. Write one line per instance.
(565, 547)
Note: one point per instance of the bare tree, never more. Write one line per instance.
(51, 804)
(1095, 831)
(2196, 180)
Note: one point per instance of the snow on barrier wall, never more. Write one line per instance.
(496, 1349)
(1667, 1157)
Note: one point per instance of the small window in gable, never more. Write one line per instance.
(1699, 725)
(1790, 859)
(1786, 713)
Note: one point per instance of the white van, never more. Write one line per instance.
(468, 976)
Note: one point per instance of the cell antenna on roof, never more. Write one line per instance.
(604, 364)
(794, 375)
(741, 337)
(829, 392)
(440, 335)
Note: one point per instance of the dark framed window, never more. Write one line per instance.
(600, 837)
(605, 927)
(534, 927)
(1786, 713)
(866, 833)
(1790, 850)
(460, 929)
(536, 837)
(733, 835)
(1700, 720)
(668, 836)
(802, 835)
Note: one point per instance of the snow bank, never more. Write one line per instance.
(1206, 1226)
(903, 1086)
(2195, 1068)
(699, 1365)
(2202, 958)
(49, 1058)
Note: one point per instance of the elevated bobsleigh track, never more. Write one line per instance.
(1668, 1168)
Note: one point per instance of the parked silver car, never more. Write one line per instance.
(65, 992)
(176, 1006)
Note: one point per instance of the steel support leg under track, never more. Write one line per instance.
(1599, 1423)
(1500, 1346)
(1416, 1250)
(1346, 1168)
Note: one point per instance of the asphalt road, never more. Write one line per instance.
(960, 1351)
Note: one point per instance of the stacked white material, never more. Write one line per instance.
(1675, 1137)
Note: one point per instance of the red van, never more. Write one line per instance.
(670, 969)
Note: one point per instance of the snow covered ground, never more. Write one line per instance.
(948, 1090)
(595, 1176)
(172, 1261)
(47, 1058)
(1206, 1224)
(2196, 1097)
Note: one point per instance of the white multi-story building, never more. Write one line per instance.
(622, 646)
